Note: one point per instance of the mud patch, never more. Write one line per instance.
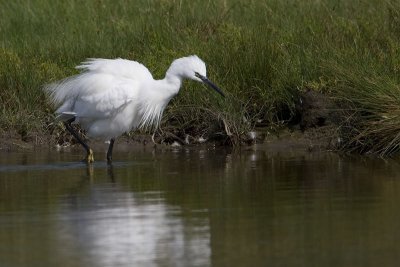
(314, 110)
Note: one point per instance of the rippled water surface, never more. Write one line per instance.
(199, 207)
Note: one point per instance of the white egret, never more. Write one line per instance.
(113, 96)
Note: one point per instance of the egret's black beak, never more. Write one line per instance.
(209, 83)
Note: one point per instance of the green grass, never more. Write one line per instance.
(262, 53)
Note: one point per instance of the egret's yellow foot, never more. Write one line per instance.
(89, 157)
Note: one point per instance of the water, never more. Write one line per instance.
(199, 207)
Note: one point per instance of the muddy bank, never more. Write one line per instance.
(318, 139)
(12, 141)
(312, 128)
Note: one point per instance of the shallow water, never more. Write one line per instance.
(199, 207)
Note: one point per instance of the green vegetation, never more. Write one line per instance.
(264, 54)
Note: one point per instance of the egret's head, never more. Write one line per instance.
(192, 67)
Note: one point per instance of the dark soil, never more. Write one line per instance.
(315, 110)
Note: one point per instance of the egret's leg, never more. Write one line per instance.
(110, 149)
(89, 156)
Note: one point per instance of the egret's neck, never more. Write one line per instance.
(172, 82)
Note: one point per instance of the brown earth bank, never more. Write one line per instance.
(313, 127)
(318, 139)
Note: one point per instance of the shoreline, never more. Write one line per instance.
(316, 139)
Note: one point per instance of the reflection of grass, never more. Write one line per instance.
(263, 54)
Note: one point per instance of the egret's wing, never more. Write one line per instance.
(122, 68)
(106, 103)
(104, 80)
(93, 95)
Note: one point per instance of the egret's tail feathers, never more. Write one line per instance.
(65, 116)
(61, 90)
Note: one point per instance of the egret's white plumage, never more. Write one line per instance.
(113, 96)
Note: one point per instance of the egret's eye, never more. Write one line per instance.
(201, 77)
